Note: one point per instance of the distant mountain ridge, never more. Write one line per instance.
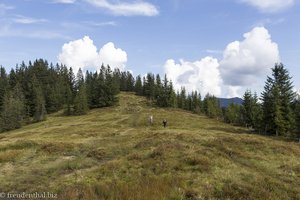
(225, 102)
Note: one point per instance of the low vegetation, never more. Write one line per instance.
(113, 153)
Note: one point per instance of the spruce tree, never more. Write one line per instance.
(277, 99)
(182, 98)
(79, 80)
(251, 111)
(40, 111)
(130, 82)
(138, 88)
(233, 114)
(297, 116)
(3, 85)
(211, 106)
(171, 95)
(68, 110)
(80, 102)
(13, 109)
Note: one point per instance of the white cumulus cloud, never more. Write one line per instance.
(202, 75)
(115, 57)
(83, 53)
(245, 65)
(127, 8)
(270, 5)
(246, 62)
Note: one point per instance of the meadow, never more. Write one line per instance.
(113, 153)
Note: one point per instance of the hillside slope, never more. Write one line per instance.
(113, 153)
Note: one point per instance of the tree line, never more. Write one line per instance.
(275, 112)
(29, 92)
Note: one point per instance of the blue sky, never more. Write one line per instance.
(218, 46)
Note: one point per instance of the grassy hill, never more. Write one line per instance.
(113, 153)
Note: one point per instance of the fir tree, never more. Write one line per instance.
(211, 106)
(80, 102)
(3, 85)
(13, 110)
(277, 99)
(233, 114)
(251, 111)
(138, 88)
(40, 111)
(297, 117)
(79, 80)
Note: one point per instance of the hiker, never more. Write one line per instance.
(165, 123)
(151, 120)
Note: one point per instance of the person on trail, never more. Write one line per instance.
(151, 120)
(165, 123)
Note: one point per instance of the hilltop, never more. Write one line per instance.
(113, 153)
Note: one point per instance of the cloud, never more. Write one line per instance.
(83, 53)
(8, 31)
(245, 62)
(270, 5)
(27, 20)
(4, 8)
(269, 21)
(202, 75)
(126, 9)
(99, 24)
(115, 57)
(213, 51)
(64, 1)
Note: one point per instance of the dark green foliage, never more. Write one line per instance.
(164, 93)
(13, 110)
(138, 87)
(12, 78)
(30, 91)
(251, 111)
(68, 110)
(211, 106)
(80, 102)
(102, 88)
(297, 116)
(79, 80)
(39, 113)
(47, 88)
(277, 99)
(149, 86)
(233, 114)
(3, 85)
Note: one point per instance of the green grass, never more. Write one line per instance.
(113, 153)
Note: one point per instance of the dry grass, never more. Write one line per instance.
(113, 153)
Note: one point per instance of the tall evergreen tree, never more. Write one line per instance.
(211, 106)
(233, 114)
(79, 79)
(181, 98)
(80, 102)
(251, 111)
(277, 99)
(13, 110)
(149, 86)
(297, 117)
(130, 82)
(3, 85)
(138, 88)
(40, 111)
(68, 107)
